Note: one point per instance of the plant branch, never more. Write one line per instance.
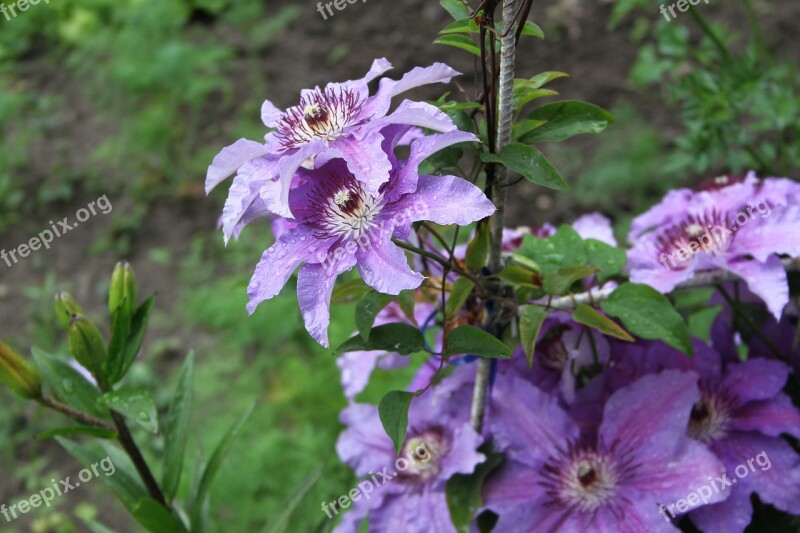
(78, 416)
(127, 442)
(498, 193)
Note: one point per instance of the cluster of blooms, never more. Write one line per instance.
(329, 172)
(598, 435)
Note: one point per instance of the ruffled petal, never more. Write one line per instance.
(755, 379)
(363, 445)
(378, 105)
(730, 516)
(288, 168)
(767, 280)
(365, 159)
(662, 425)
(413, 114)
(384, 267)
(443, 200)
(279, 262)
(772, 418)
(270, 114)
(595, 226)
(314, 288)
(230, 159)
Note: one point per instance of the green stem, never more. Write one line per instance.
(698, 18)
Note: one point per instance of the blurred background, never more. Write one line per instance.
(132, 99)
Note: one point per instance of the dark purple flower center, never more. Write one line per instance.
(341, 208)
(707, 233)
(424, 451)
(321, 114)
(583, 480)
(710, 416)
(553, 355)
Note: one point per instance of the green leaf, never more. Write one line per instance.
(464, 492)
(348, 291)
(530, 163)
(462, 288)
(68, 384)
(559, 282)
(530, 325)
(520, 276)
(407, 302)
(215, 463)
(478, 248)
(124, 482)
(565, 248)
(368, 308)
(589, 316)
(466, 25)
(457, 9)
(475, 341)
(608, 259)
(566, 119)
(71, 431)
(396, 337)
(532, 29)
(152, 515)
(176, 426)
(393, 411)
(120, 332)
(135, 339)
(136, 404)
(648, 314)
(459, 41)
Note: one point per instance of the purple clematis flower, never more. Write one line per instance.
(742, 228)
(741, 416)
(440, 443)
(619, 478)
(340, 225)
(340, 120)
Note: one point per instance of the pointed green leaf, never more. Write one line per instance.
(589, 316)
(138, 329)
(136, 404)
(393, 412)
(475, 341)
(566, 119)
(368, 308)
(530, 325)
(176, 426)
(459, 41)
(559, 282)
(649, 314)
(462, 289)
(532, 29)
(530, 163)
(396, 337)
(478, 248)
(69, 385)
(152, 515)
(457, 9)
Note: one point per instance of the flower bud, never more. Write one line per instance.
(67, 308)
(86, 345)
(123, 289)
(20, 376)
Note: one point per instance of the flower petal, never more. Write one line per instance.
(378, 105)
(280, 260)
(767, 280)
(443, 200)
(414, 114)
(270, 114)
(755, 379)
(230, 159)
(365, 159)
(314, 288)
(384, 267)
(772, 418)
